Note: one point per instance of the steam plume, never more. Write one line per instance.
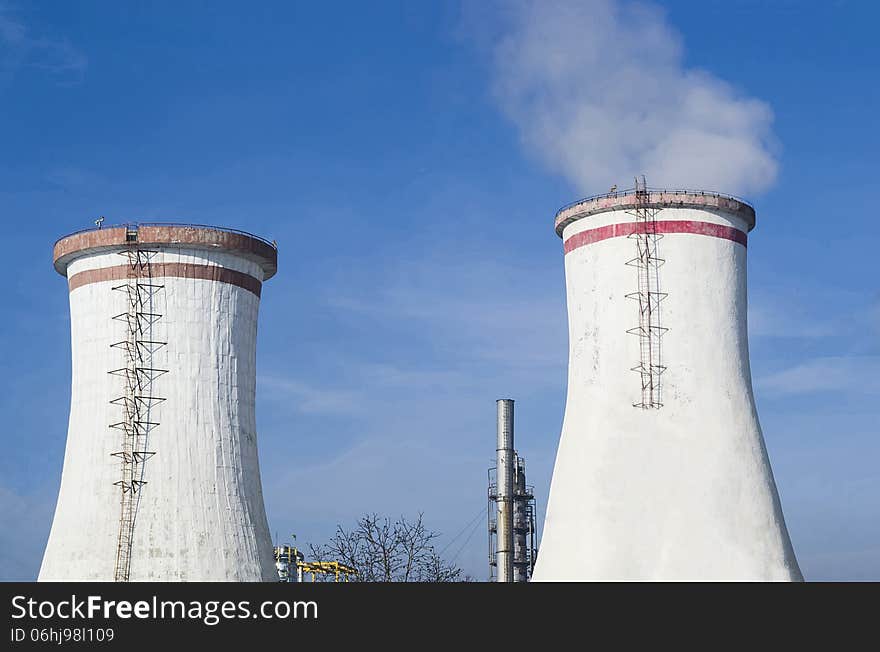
(599, 91)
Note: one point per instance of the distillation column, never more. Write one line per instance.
(521, 525)
(505, 471)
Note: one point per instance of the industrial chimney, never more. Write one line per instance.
(512, 531)
(661, 471)
(161, 480)
(504, 469)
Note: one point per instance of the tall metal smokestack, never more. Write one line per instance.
(506, 458)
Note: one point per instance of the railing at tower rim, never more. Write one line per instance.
(136, 225)
(668, 191)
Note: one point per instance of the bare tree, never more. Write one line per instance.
(386, 551)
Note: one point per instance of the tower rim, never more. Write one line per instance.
(192, 236)
(632, 198)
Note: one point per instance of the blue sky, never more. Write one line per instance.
(390, 149)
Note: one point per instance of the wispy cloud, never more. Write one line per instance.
(840, 354)
(859, 375)
(874, 318)
(77, 179)
(395, 377)
(357, 386)
(308, 398)
(21, 48)
(600, 92)
(506, 315)
(781, 317)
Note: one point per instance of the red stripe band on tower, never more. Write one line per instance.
(584, 238)
(169, 270)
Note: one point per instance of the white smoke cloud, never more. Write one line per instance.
(599, 91)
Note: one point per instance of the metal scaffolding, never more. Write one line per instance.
(138, 401)
(291, 567)
(525, 532)
(649, 331)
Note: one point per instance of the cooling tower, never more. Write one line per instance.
(661, 471)
(161, 480)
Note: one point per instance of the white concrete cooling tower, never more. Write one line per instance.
(161, 479)
(661, 471)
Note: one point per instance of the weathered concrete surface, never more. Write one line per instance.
(201, 514)
(684, 492)
(172, 236)
(626, 200)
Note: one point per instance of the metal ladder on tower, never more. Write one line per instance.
(138, 401)
(648, 295)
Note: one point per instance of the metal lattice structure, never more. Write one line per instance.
(292, 566)
(327, 568)
(525, 531)
(138, 401)
(649, 331)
